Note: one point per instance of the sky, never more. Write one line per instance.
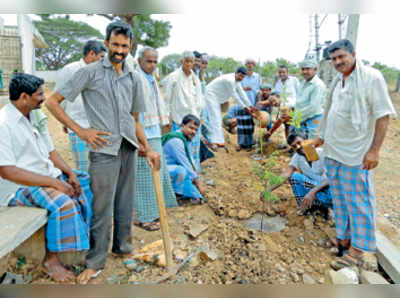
(266, 32)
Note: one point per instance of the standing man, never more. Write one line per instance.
(310, 98)
(113, 96)
(33, 174)
(156, 116)
(183, 96)
(245, 124)
(287, 86)
(353, 127)
(219, 91)
(93, 51)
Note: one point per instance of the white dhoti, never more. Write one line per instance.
(215, 117)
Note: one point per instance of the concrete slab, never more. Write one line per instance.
(388, 256)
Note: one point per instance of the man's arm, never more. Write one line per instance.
(285, 175)
(153, 157)
(371, 158)
(310, 196)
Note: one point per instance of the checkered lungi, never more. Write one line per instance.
(302, 184)
(146, 208)
(181, 182)
(68, 218)
(309, 127)
(195, 145)
(354, 204)
(80, 152)
(245, 128)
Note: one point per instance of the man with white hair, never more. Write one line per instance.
(183, 97)
(310, 98)
(152, 121)
(245, 124)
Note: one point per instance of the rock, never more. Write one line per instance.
(308, 224)
(294, 277)
(302, 239)
(300, 271)
(244, 214)
(210, 182)
(344, 276)
(180, 255)
(232, 213)
(308, 280)
(372, 278)
(208, 255)
(280, 268)
(195, 261)
(321, 280)
(196, 229)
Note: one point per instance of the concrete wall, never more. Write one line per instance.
(49, 76)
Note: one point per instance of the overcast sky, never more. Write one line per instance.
(267, 32)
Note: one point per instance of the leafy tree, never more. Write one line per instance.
(65, 39)
(389, 73)
(146, 31)
(169, 63)
(269, 70)
(227, 65)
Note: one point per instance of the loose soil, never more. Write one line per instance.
(244, 255)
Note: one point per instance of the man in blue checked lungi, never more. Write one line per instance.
(180, 164)
(33, 174)
(146, 209)
(352, 130)
(93, 51)
(308, 180)
(310, 98)
(113, 97)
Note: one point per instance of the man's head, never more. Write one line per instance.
(25, 90)
(294, 141)
(118, 41)
(309, 69)
(196, 60)
(148, 59)
(250, 65)
(266, 90)
(93, 51)
(187, 62)
(343, 56)
(204, 61)
(283, 72)
(240, 74)
(189, 126)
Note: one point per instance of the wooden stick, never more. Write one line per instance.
(163, 219)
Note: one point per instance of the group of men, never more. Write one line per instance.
(116, 114)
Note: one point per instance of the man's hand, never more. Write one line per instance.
(65, 129)
(318, 142)
(307, 200)
(142, 151)
(74, 182)
(153, 159)
(202, 188)
(247, 88)
(64, 187)
(285, 117)
(371, 160)
(93, 137)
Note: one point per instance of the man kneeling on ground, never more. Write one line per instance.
(34, 175)
(183, 172)
(310, 187)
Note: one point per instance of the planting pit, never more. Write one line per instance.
(264, 223)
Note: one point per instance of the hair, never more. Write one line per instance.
(187, 54)
(196, 54)
(119, 27)
(95, 46)
(292, 136)
(190, 117)
(343, 44)
(242, 70)
(284, 66)
(144, 49)
(24, 83)
(204, 57)
(250, 60)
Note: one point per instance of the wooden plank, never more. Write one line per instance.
(388, 256)
(18, 224)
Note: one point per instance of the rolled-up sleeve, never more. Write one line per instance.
(76, 84)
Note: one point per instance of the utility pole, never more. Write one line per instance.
(340, 23)
(317, 47)
(352, 28)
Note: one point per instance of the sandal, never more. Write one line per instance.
(148, 226)
(347, 261)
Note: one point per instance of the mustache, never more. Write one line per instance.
(339, 65)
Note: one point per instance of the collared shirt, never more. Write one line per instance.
(310, 98)
(290, 87)
(342, 142)
(109, 99)
(254, 81)
(316, 172)
(175, 154)
(24, 144)
(75, 110)
(153, 131)
(222, 88)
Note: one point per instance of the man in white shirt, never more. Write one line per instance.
(219, 91)
(287, 86)
(93, 51)
(33, 174)
(183, 96)
(353, 127)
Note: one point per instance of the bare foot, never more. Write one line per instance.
(87, 275)
(56, 271)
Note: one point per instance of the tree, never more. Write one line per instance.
(169, 63)
(146, 31)
(65, 39)
(227, 65)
